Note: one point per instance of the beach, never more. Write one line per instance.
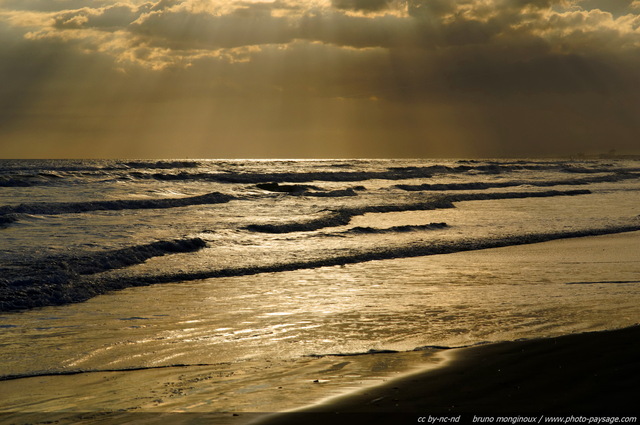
(229, 292)
(576, 378)
(584, 373)
(593, 374)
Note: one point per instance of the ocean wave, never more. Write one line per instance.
(92, 167)
(66, 287)
(292, 177)
(162, 164)
(307, 190)
(113, 205)
(343, 216)
(286, 188)
(52, 280)
(72, 166)
(339, 218)
(40, 374)
(397, 229)
(6, 219)
(459, 197)
(610, 178)
(30, 180)
(359, 353)
(83, 264)
(435, 248)
(184, 169)
(16, 182)
(444, 247)
(339, 193)
(373, 352)
(391, 173)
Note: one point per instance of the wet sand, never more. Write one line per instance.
(581, 376)
(590, 374)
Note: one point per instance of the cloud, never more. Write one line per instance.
(491, 46)
(363, 5)
(183, 28)
(51, 6)
(183, 25)
(494, 68)
(114, 17)
(615, 7)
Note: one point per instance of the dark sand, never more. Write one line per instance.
(590, 374)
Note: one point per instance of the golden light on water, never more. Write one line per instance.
(263, 285)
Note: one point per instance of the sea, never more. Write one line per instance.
(267, 285)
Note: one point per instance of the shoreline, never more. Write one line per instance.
(110, 397)
(576, 378)
(591, 374)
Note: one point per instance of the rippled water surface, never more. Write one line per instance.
(374, 261)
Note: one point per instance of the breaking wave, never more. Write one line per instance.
(6, 219)
(162, 164)
(308, 190)
(392, 173)
(333, 219)
(14, 182)
(58, 280)
(114, 205)
(24, 173)
(446, 247)
(53, 280)
(513, 195)
(330, 193)
(610, 178)
(29, 279)
(390, 253)
(41, 374)
(362, 353)
(343, 216)
(286, 188)
(397, 229)
(385, 351)
(293, 177)
(39, 179)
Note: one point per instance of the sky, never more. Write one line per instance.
(318, 78)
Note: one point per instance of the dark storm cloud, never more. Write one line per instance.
(364, 5)
(428, 9)
(499, 70)
(257, 24)
(424, 48)
(429, 24)
(616, 7)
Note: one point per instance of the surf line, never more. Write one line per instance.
(372, 255)
(343, 216)
(83, 371)
(13, 377)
